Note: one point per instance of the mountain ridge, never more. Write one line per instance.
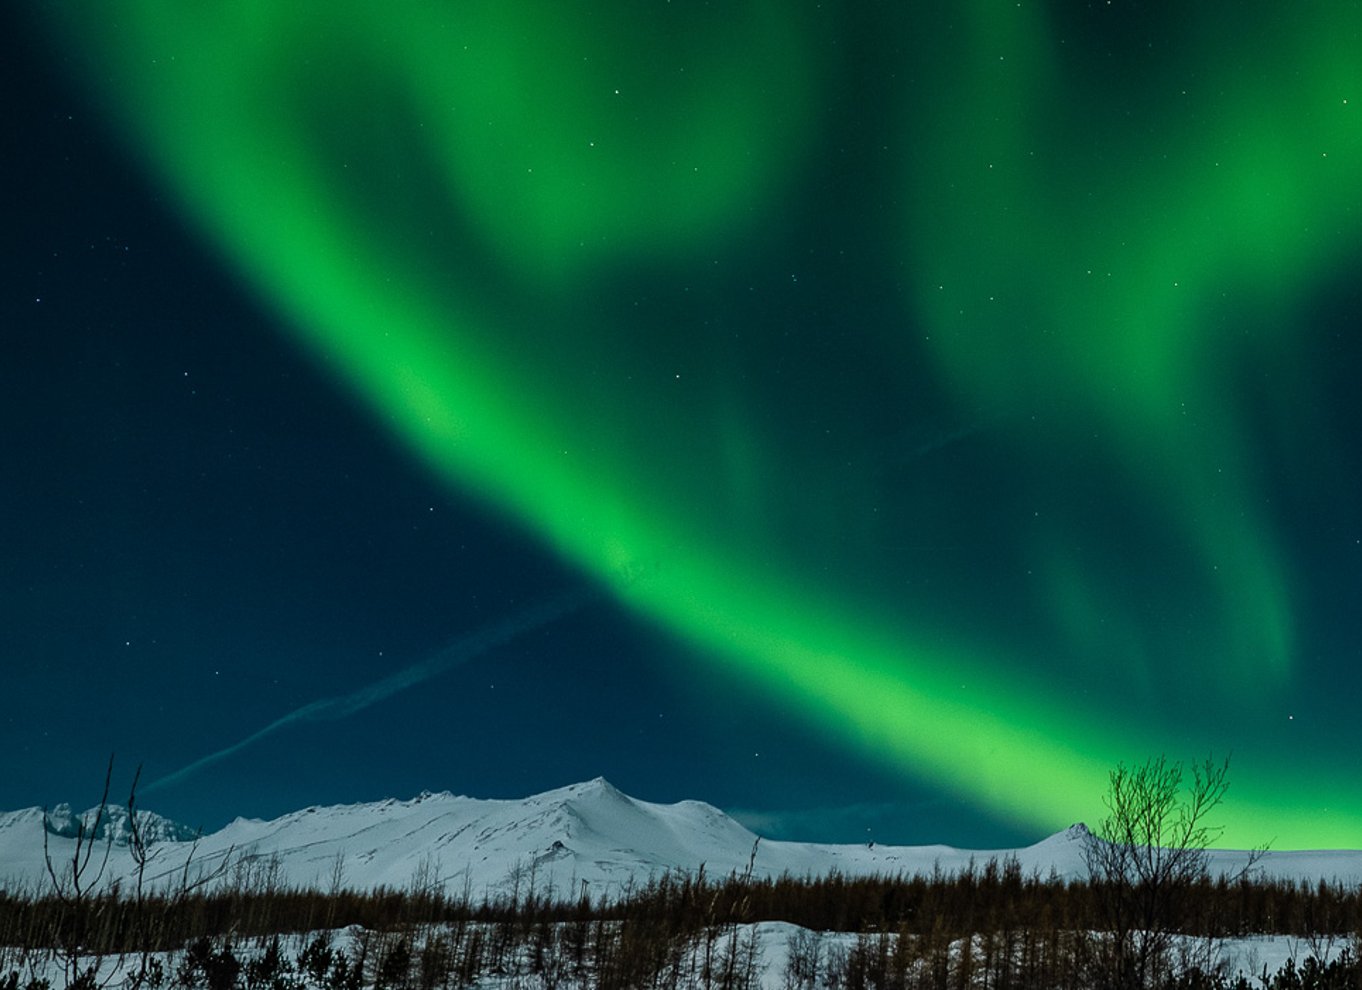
(586, 836)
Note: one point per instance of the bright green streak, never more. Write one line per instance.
(426, 194)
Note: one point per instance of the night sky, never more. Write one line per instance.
(876, 421)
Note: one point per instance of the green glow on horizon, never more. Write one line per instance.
(425, 197)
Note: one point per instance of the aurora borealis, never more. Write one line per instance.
(977, 384)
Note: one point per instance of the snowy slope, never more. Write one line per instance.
(585, 832)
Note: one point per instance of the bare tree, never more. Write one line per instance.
(76, 889)
(1148, 852)
(148, 929)
(93, 905)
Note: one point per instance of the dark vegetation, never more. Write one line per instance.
(673, 931)
(1148, 918)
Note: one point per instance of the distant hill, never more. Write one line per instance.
(587, 833)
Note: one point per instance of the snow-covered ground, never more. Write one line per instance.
(587, 832)
(773, 944)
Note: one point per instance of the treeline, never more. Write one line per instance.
(991, 897)
(989, 925)
(999, 896)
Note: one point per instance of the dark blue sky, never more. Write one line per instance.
(930, 410)
(202, 531)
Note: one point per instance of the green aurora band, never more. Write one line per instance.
(502, 223)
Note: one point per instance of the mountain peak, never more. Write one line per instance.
(594, 793)
(596, 785)
(599, 786)
(114, 824)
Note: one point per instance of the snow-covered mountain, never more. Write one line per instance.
(586, 833)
